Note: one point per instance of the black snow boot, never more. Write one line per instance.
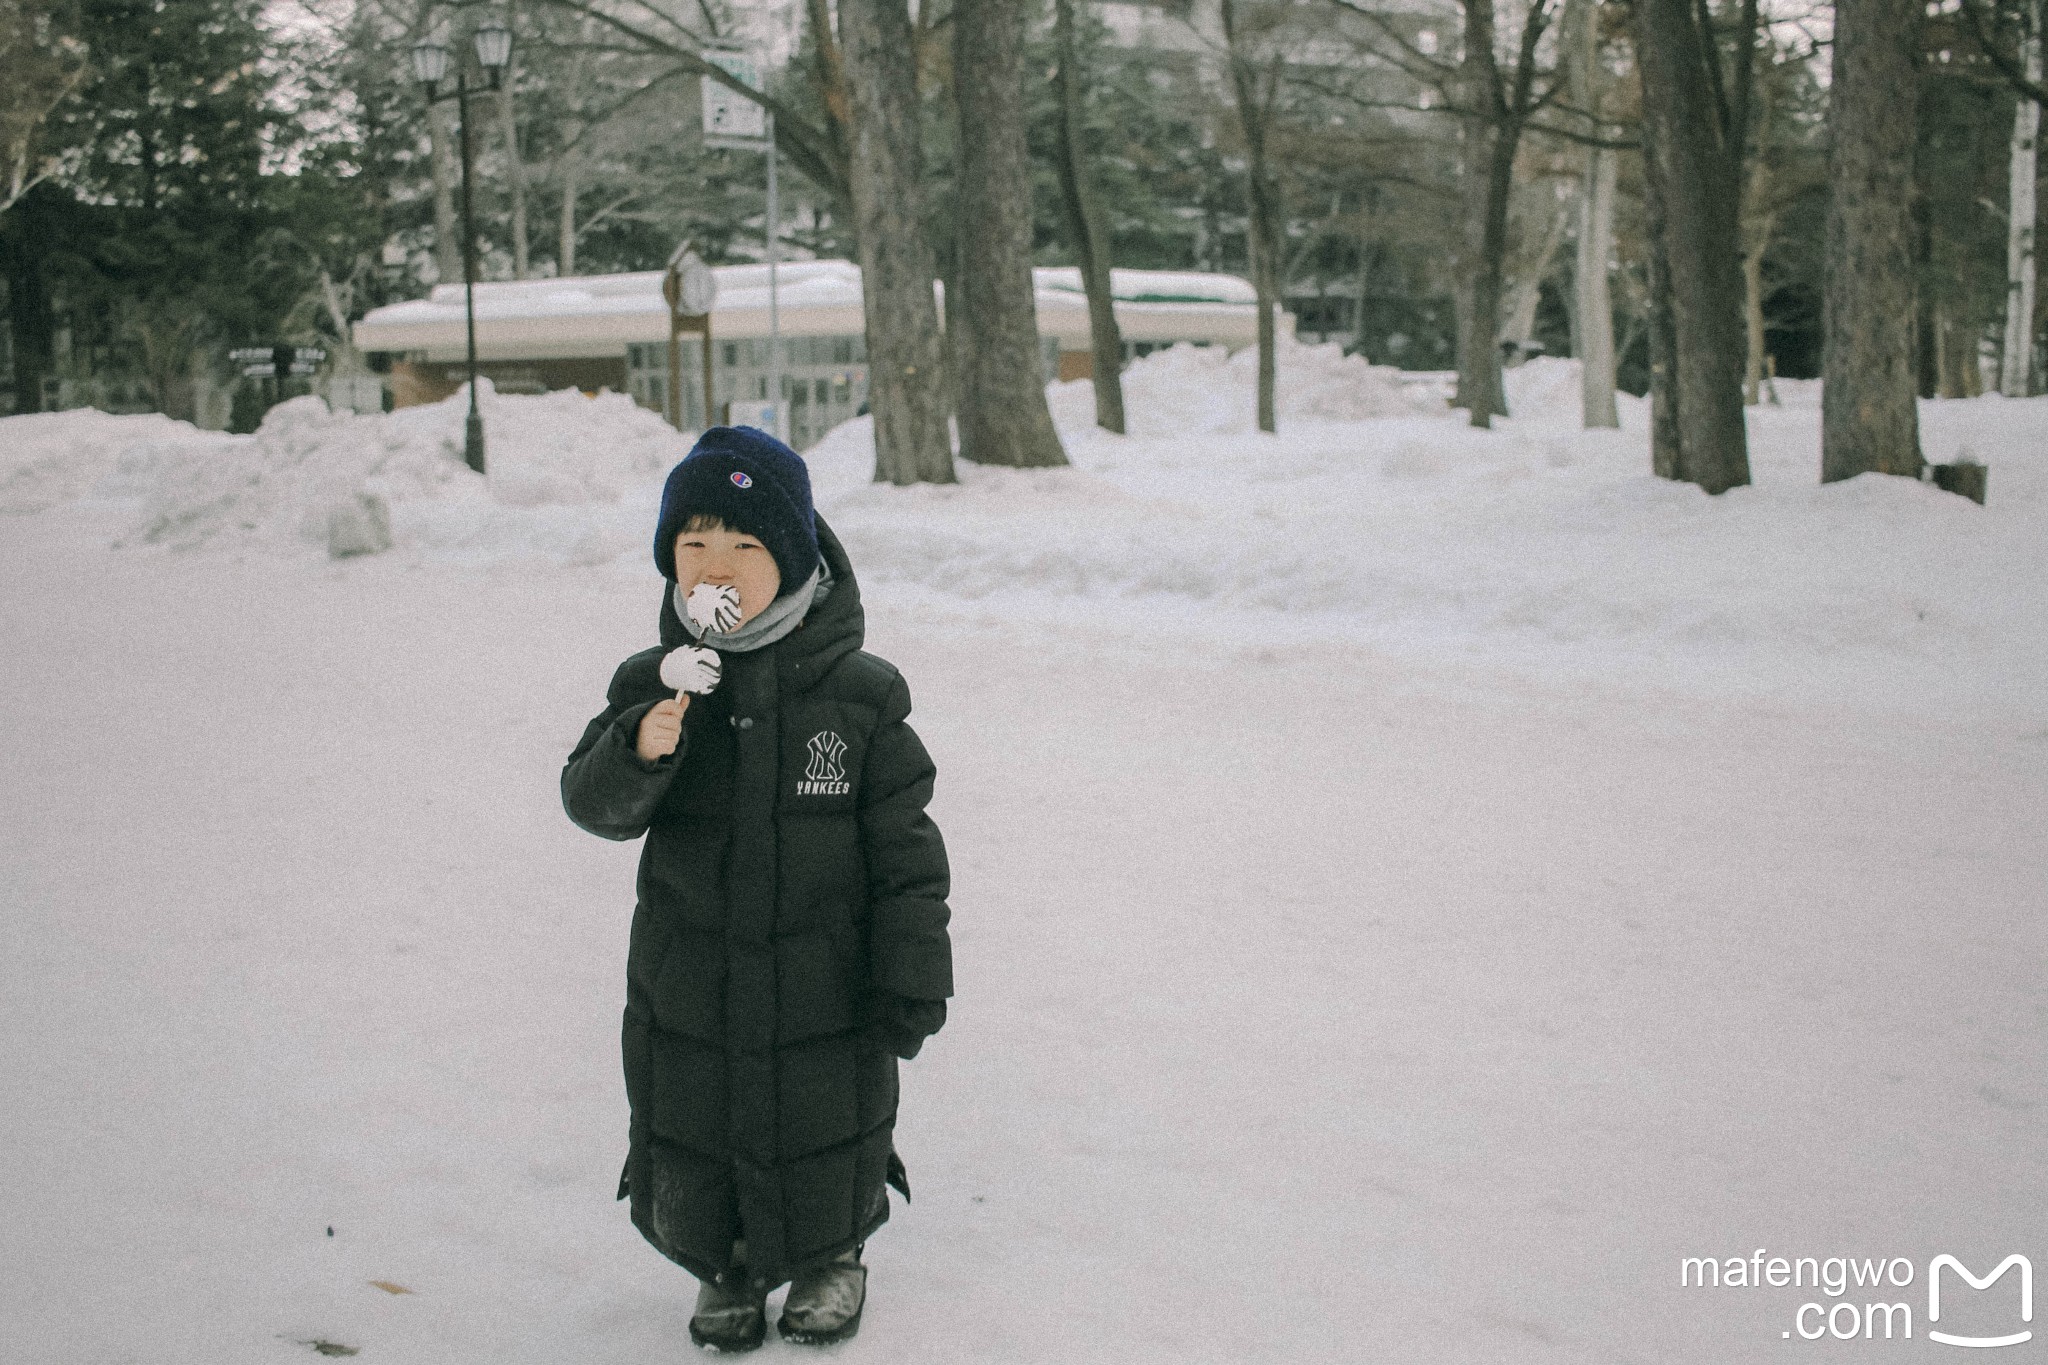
(825, 1301)
(730, 1316)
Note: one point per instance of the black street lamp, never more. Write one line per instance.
(493, 43)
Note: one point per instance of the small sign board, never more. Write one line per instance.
(305, 355)
(268, 362)
(730, 118)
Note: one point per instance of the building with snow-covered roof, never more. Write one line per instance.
(611, 332)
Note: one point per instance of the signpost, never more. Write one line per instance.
(277, 363)
(690, 291)
(732, 120)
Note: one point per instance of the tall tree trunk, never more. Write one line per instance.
(1661, 336)
(2015, 371)
(1265, 252)
(1358, 303)
(1269, 341)
(1479, 384)
(955, 338)
(568, 162)
(906, 366)
(1929, 287)
(1527, 295)
(1753, 318)
(29, 237)
(1687, 153)
(1869, 421)
(1595, 302)
(1593, 310)
(828, 67)
(1955, 355)
(447, 241)
(1971, 375)
(1758, 223)
(1485, 183)
(945, 240)
(1003, 416)
(1254, 93)
(515, 176)
(1086, 228)
(565, 240)
(347, 360)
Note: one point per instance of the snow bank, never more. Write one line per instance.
(1546, 391)
(567, 475)
(1203, 390)
(48, 458)
(1536, 544)
(1373, 516)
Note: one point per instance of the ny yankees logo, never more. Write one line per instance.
(825, 775)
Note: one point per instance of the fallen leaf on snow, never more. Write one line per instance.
(389, 1287)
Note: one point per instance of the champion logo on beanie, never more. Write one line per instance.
(754, 484)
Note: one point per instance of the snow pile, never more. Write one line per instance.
(1546, 390)
(1200, 390)
(567, 476)
(1535, 543)
(49, 458)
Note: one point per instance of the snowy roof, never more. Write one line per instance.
(599, 315)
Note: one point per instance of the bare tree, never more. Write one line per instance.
(1254, 82)
(1003, 416)
(1593, 315)
(818, 153)
(515, 166)
(1693, 132)
(1528, 268)
(441, 159)
(1086, 228)
(2015, 374)
(1494, 108)
(2008, 32)
(1497, 111)
(1869, 419)
(906, 362)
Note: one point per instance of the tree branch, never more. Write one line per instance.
(1413, 59)
(1745, 83)
(2015, 75)
(584, 225)
(1612, 144)
(808, 147)
(1525, 59)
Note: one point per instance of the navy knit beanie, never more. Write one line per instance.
(754, 484)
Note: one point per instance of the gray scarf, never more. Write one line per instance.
(782, 616)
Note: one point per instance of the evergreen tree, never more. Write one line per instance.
(170, 198)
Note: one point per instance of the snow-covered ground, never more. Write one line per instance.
(1413, 886)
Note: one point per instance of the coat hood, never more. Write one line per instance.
(833, 629)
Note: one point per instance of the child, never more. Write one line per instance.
(790, 942)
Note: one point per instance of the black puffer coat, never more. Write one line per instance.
(792, 916)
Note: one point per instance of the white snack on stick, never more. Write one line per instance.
(714, 606)
(692, 668)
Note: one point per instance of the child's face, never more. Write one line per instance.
(724, 557)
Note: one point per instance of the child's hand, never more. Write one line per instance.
(661, 729)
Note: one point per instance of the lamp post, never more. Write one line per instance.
(493, 42)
